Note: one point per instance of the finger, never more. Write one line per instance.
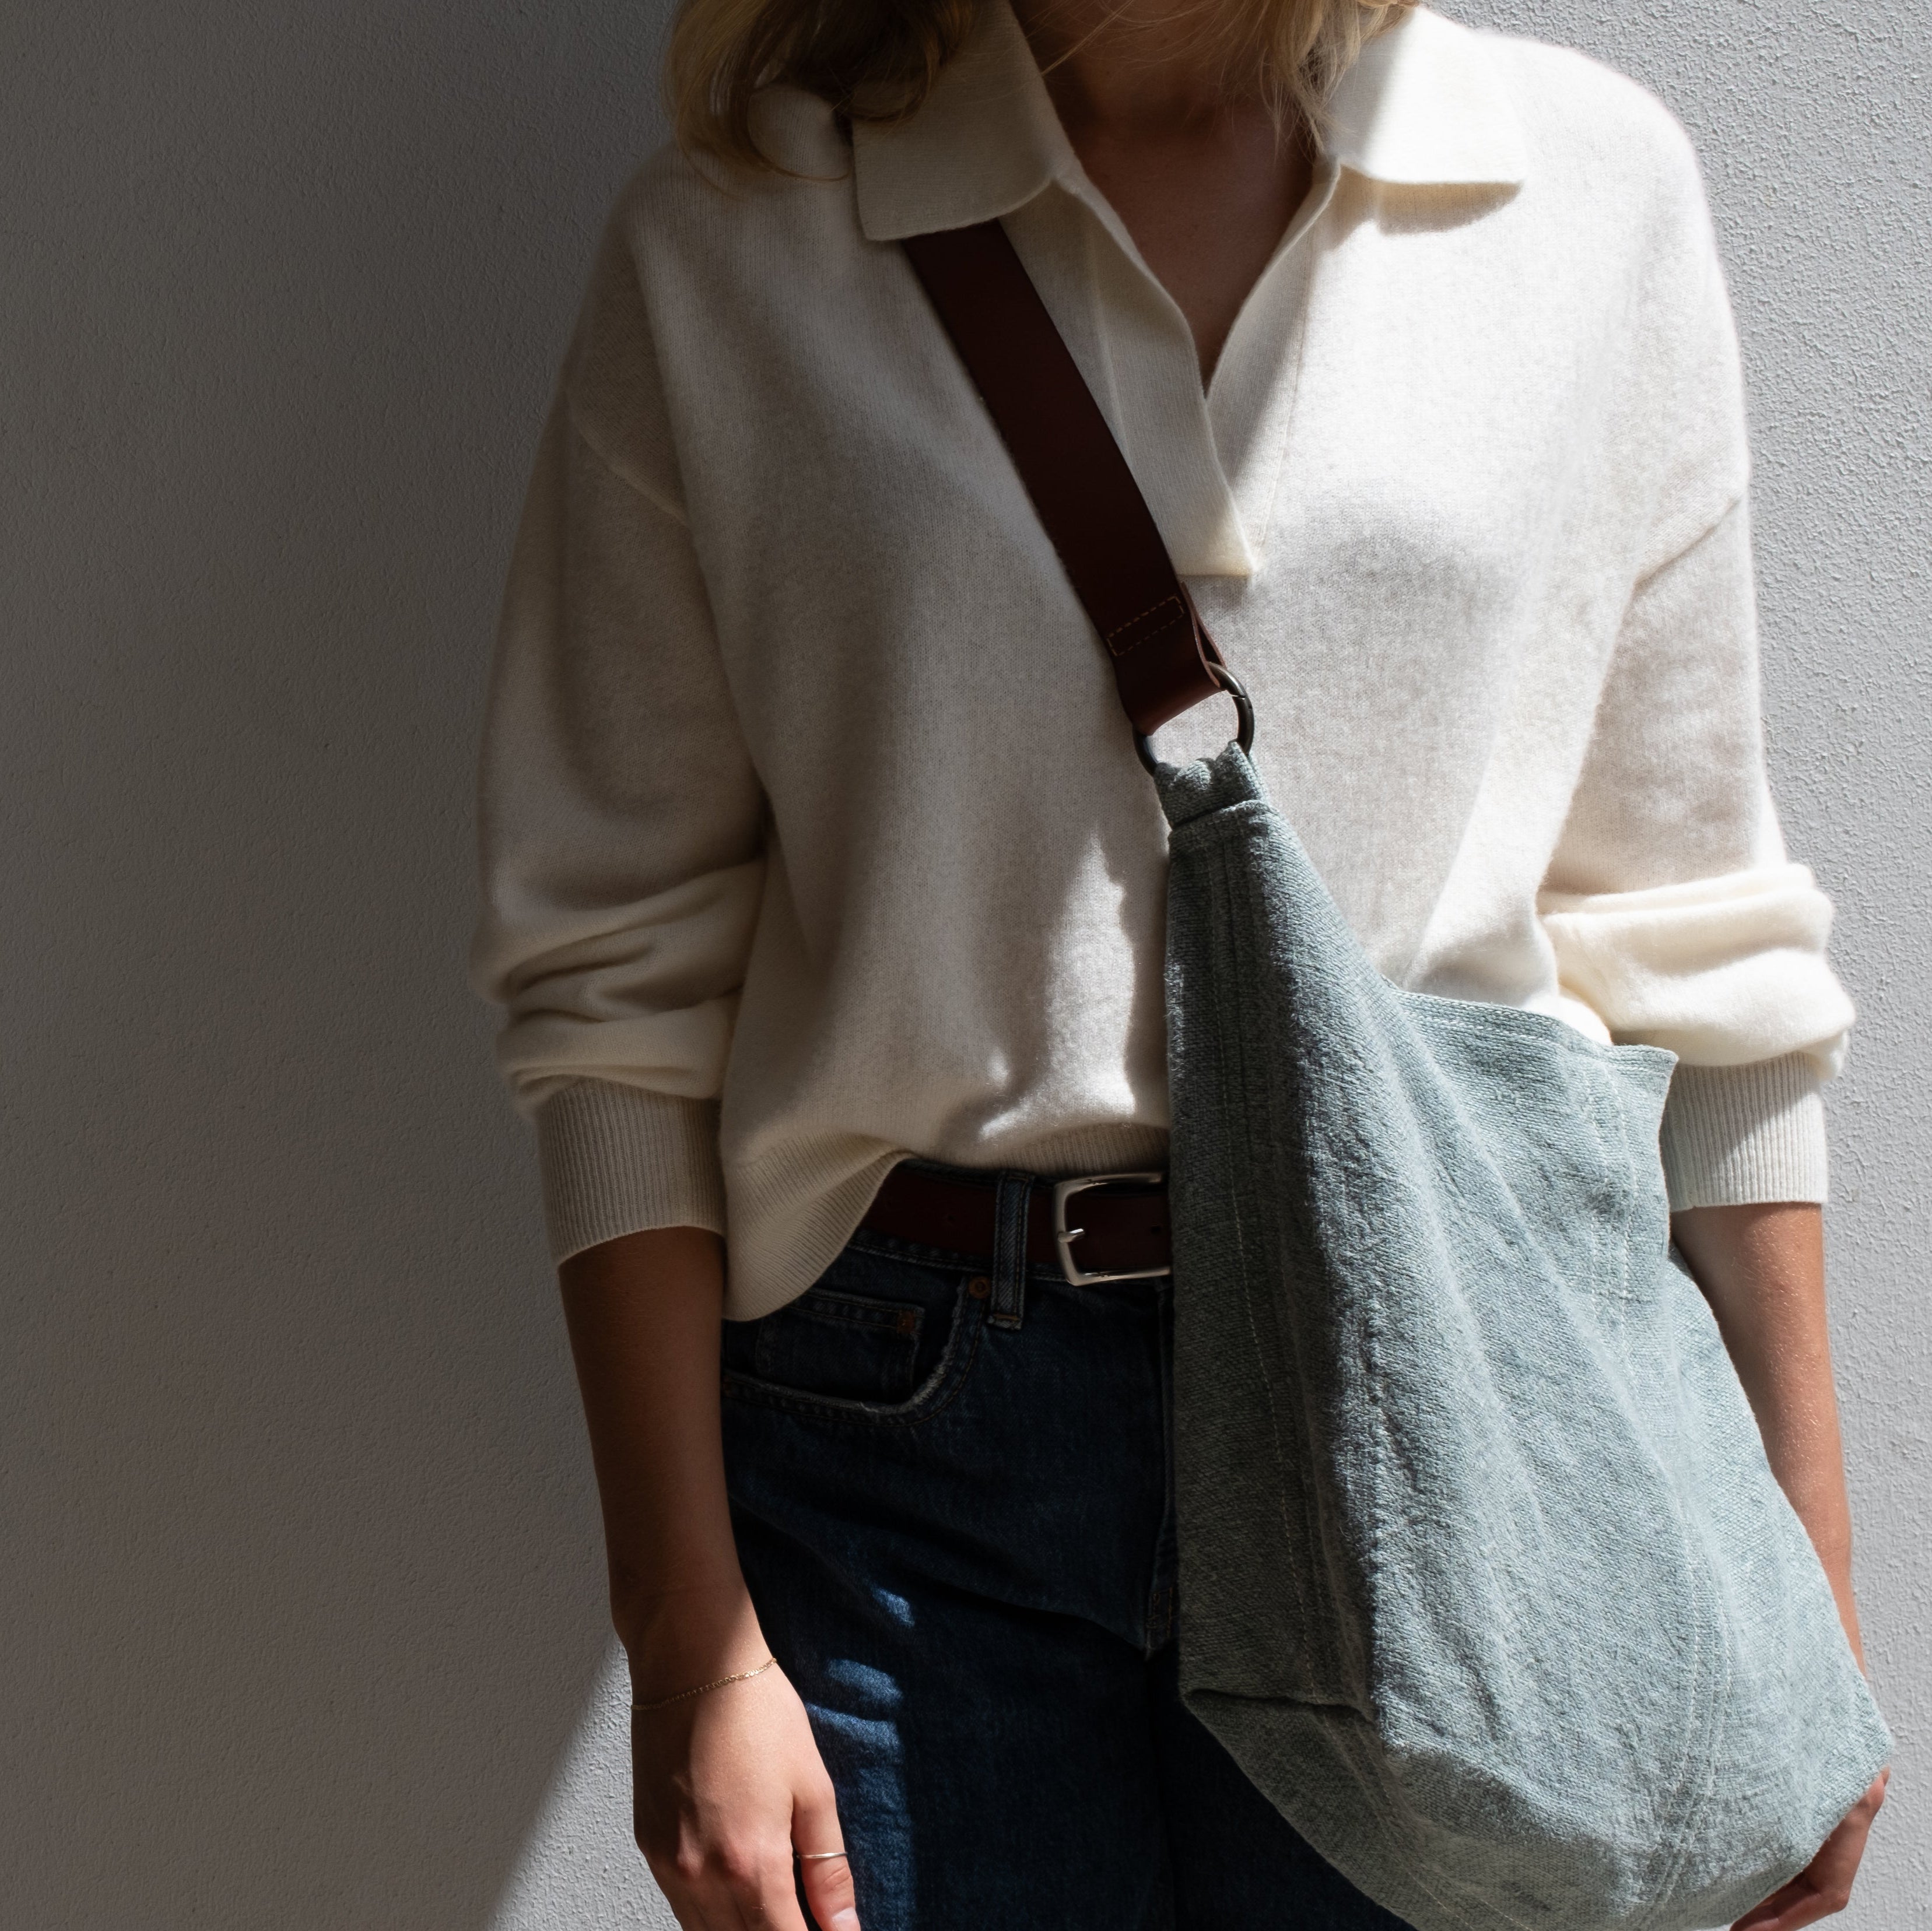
(1824, 1887)
(763, 1897)
(828, 1890)
(733, 1889)
(827, 1879)
(1782, 1911)
(1816, 1892)
(699, 1901)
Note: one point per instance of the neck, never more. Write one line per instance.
(1194, 164)
(1132, 65)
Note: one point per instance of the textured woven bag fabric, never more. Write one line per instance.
(1485, 1579)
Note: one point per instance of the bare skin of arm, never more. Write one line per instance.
(1763, 1270)
(727, 1784)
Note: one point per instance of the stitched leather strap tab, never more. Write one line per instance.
(1081, 488)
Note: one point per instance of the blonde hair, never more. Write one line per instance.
(877, 60)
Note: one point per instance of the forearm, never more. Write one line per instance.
(1761, 1268)
(643, 1314)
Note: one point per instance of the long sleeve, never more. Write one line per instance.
(620, 816)
(1674, 912)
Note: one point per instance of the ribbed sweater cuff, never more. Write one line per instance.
(617, 1159)
(1734, 1135)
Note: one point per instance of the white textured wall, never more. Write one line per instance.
(302, 1592)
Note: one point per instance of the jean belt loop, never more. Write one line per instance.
(1009, 1250)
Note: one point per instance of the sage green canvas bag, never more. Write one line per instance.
(1485, 1581)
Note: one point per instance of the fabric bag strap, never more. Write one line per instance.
(1082, 491)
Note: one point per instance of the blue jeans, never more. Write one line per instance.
(952, 1498)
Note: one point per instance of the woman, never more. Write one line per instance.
(824, 891)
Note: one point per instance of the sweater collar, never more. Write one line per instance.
(1422, 106)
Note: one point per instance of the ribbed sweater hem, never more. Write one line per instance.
(620, 1160)
(1736, 1135)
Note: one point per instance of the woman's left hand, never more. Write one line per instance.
(1824, 1886)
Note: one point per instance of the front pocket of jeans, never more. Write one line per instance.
(850, 1347)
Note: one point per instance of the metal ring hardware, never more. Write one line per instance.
(1244, 709)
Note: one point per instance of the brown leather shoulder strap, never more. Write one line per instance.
(1084, 493)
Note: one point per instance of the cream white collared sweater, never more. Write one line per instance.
(812, 834)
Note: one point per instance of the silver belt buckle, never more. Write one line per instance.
(1064, 1236)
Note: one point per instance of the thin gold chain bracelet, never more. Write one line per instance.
(685, 1695)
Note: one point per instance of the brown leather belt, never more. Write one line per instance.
(1094, 1228)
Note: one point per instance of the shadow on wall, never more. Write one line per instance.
(304, 1592)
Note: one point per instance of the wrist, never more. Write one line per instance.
(690, 1635)
(671, 1584)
